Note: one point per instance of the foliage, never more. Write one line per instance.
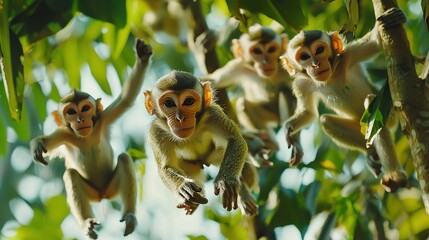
(48, 45)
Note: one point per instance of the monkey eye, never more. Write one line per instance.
(272, 49)
(189, 102)
(169, 103)
(85, 108)
(320, 50)
(304, 56)
(71, 111)
(257, 51)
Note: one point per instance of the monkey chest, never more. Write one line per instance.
(201, 150)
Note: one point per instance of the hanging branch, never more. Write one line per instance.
(408, 95)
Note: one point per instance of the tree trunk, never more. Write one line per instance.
(408, 95)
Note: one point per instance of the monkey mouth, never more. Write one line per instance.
(322, 72)
(184, 132)
(82, 128)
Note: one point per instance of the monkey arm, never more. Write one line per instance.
(229, 74)
(132, 86)
(44, 144)
(363, 48)
(306, 110)
(170, 172)
(235, 154)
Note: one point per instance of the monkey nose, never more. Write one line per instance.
(315, 63)
(180, 117)
(80, 119)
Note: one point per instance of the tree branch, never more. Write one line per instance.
(408, 95)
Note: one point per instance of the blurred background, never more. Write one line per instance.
(56, 46)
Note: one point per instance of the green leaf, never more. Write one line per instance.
(22, 127)
(269, 178)
(425, 8)
(116, 39)
(72, 61)
(135, 153)
(39, 102)
(311, 192)
(328, 225)
(98, 68)
(42, 19)
(287, 13)
(57, 209)
(290, 211)
(11, 66)
(375, 117)
(353, 10)
(3, 133)
(112, 11)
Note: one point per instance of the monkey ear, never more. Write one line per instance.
(99, 105)
(148, 102)
(284, 40)
(236, 48)
(337, 43)
(207, 95)
(57, 118)
(287, 65)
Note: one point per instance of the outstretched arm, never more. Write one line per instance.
(45, 144)
(370, 44)
(227, 181)
(132, 86)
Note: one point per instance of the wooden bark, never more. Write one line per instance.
(409, 96)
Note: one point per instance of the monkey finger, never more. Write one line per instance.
(195, 187)
(39, 158)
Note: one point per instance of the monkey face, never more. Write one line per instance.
(79, 116)
(180, 109)
(265, 56)
(315, 60)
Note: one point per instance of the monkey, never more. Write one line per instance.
(91, 173)
(190, 131)
(267, 99)
(325, 69)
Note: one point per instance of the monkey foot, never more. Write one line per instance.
(130, 223)
(188, 207)
(393, 180)
(88, 227)
(247, 203)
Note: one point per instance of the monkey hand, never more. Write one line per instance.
(229, 189)
(189, 207)
(192, 193)
(144, 51)
(297, 152)
(394, 179)
(37, 147)
(130, 223)
(206, 41)
(392, 17)
(88, 227)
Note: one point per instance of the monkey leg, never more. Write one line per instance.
(79, 192)
(346, 133)
(254, 117)
(394, 176)
(124, 183)
(249, 181)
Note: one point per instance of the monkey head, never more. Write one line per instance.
(262, 47)
(79, 111)
(312, 52)
(179, 99)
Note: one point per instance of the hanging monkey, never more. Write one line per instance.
(91, 173)
(326, 69)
